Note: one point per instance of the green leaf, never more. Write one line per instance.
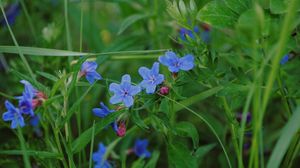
(39, 51)
(197, 98)
(39, 154)
(137, 120)
(80, 143)
(280, 6)
(48, 76)
(217, 14)
(180, 156)
(203, 150)
(130, 20)
(187, 129)
(288, 131)
(154, 158)
(238, 6)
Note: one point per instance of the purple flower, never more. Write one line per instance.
(175, 63)
(284, 59)
(88, 69)
(98, 157)
(14, 115)
(151, 77)
(123, 92)
(103, 111)
(140, 148)
(11, 12)
(25, 101)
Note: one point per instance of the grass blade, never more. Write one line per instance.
(284, 140)
(39, 154)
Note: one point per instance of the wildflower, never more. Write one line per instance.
(284, 59)
(34, 121)
(11, 12)
(103, 111)
(183, 33)
(25, 101)
(124, 92)
(151, 77)
(88, 69)
(99, 157)
(175, 63)
(14, 115)
(140, 148)
(164, 90)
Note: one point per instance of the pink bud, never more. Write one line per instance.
(121, 130)
(164, 90)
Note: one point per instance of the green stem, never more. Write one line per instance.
(234, 138)
(68, 36)
(23, 147)
(92, 145)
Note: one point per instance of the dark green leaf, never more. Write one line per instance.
(187, 129)
(180, 157)
(130, 20)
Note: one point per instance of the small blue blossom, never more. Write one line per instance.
(140, 148)
(34, 121)
(123, 92)
(11, 12)
(103, 111)
(98, 157)
(175, 63)
(25, 101)
(151, 77)
(183, 33)
(88, 69)
(284, 59)
(14, 115)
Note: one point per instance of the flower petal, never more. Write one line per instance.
(128, 101)
(144, 72)
(8, 116)
(150, 89)
(92, 76)
(155, 68)
(134, 90)
(89, 66)
(10, 107)
(126, 78)
(187, 62)
(113, 87)
(159, 79)
(100, 112)
(115, 99)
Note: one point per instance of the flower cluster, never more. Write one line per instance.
(30, 99)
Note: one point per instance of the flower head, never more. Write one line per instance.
(183, 33)
(119, 128)
(99, 157)
(88, 69)
(140, 148)
(103, 111)
(123, 92)
(26, 100)
(14, 115)
(151, 78)
(284, 59)
(175, 63)
(11, 12)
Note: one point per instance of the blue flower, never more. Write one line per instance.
(34, 121)
(175, 63)
(88, 69)
(25, 101)
(140, 148)
(284, 59)
(103, 111)
(183, 33)
(151, 77)
(14, 115)
(98, 157)
(11, 12)
(123, 92)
